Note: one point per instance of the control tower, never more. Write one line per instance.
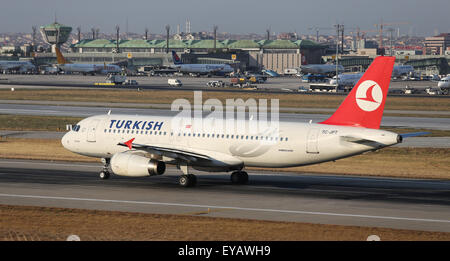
(55, 34)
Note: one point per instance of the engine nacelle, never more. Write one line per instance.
(136, 165)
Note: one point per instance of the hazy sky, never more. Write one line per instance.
(235, 16)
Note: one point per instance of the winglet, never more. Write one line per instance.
(129, 143)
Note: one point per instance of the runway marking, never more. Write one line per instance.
(226, 207)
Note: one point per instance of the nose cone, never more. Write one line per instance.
(65, 141)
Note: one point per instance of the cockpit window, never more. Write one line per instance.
(76, 128)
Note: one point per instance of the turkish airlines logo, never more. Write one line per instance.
(369, 96)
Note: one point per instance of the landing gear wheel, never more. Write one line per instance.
(104, 175)
(239, 177)
(189, 180)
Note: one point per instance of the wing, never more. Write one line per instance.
(192, 157)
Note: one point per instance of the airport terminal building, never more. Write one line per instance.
(275, 55)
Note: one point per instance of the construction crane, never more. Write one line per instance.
(317, 29)
(380, 27)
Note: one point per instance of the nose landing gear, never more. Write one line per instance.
(104, 174)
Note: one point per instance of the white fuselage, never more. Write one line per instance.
(444, 83)
(347, 79)
(90, 68)
(293, 143)
(400, 70)
(204, 68)
(321, 68)
(17, 65)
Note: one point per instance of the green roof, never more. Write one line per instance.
(200, 44)
(138, 43)
(243, 44)
(56, 25)
(279, 44)
(307, 44)
(204, 44)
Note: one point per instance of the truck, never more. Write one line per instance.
(174, 82)
(116, 79)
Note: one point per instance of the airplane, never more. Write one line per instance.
(347, 79)
(402, 70)
(85, 68)
(138, 146)
(351, 79)
(217, 69)
(321, 69)
(444, 84)
(271, 73)
(21, 66)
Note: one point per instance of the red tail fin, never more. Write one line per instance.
(364, 105)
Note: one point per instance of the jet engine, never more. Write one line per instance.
(136, 165)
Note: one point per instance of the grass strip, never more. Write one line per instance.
(23, 223)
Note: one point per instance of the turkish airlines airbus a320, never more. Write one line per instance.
(138, 146)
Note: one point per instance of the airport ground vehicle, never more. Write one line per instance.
(130, 82)
(314, 78)
(215, 84)
(174, 82)
(138, 146)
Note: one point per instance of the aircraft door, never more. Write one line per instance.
(311, 145)
(92, 128)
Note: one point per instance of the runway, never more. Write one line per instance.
(323, 199)
(278, 85)
(86, 111)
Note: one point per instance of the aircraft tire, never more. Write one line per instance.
(104, 175)
(189, 180)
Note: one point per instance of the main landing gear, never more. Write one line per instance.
(104, 174)
(239, 177)
(186, 180)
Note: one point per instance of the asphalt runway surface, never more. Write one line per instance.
(85, 111)
(324, 199)
(272, 85)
